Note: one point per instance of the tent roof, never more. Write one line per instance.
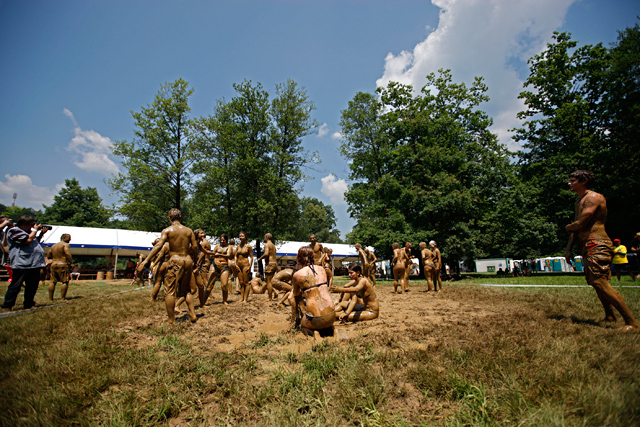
(102, 241)
(108, 241)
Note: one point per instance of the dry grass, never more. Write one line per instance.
(467, 356)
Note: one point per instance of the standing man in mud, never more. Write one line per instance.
(180, 266)
(437, 262)
(61, 260)
(318, 251)
(272, 266)
(371, 260)
(597, 250)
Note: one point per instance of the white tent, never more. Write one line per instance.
(113, 243)
(107, 242)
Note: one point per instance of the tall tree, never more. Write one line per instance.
(253, 160)
(582, 105)
(77, 206)
(158, 160)
(291, 121)
(425, 165)
(319, 219)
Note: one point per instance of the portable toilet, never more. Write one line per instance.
(577, 262)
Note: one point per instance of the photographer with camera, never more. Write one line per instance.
(27, 258)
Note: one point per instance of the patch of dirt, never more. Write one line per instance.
(247, 328)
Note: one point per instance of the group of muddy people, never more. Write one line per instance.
(182, 259)
(189, 267)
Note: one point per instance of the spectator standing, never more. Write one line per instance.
(620, 262)
(27, 258)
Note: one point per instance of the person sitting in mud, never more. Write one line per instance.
(178, 277)
(257, 285)
(363, 293)
(219, 268)
(310, 285)
(272, 266)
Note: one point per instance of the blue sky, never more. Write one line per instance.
(71, 72)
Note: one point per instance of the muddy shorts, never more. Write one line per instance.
(178, 267)
(596, 257)
(271, 268)
(60, 273)
(220, 268)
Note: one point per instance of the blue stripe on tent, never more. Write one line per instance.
(138, 248)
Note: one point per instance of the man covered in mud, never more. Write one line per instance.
(272, 266)
(437, 261)
(60, 271)
(318, 250)
(363, 305)
(589, 233)
(370, 272)
(160, 268)
(180, 266)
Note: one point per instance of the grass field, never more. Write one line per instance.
(470, 355)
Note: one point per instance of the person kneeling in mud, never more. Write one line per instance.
(310, 285)
(363, 292)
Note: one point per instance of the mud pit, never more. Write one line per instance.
(239, 327)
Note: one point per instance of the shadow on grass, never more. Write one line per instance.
(574, 320)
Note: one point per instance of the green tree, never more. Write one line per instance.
(77, 207)
(319, 219)
(15, 212)
(158, 160)
(290, 122)
(582, 105)
(425, 166)
(252, 161)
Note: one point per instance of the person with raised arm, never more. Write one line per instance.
(180, 267)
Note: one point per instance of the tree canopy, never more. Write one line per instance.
(77, 207)
(158, 160)
(425, 165)
(583, 104)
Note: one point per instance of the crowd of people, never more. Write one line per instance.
(183, 261)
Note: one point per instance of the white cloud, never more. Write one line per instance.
(29, 195)
(337, 135)
(91, 148)
(482, 38)
(323, 130)
(334, 189)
